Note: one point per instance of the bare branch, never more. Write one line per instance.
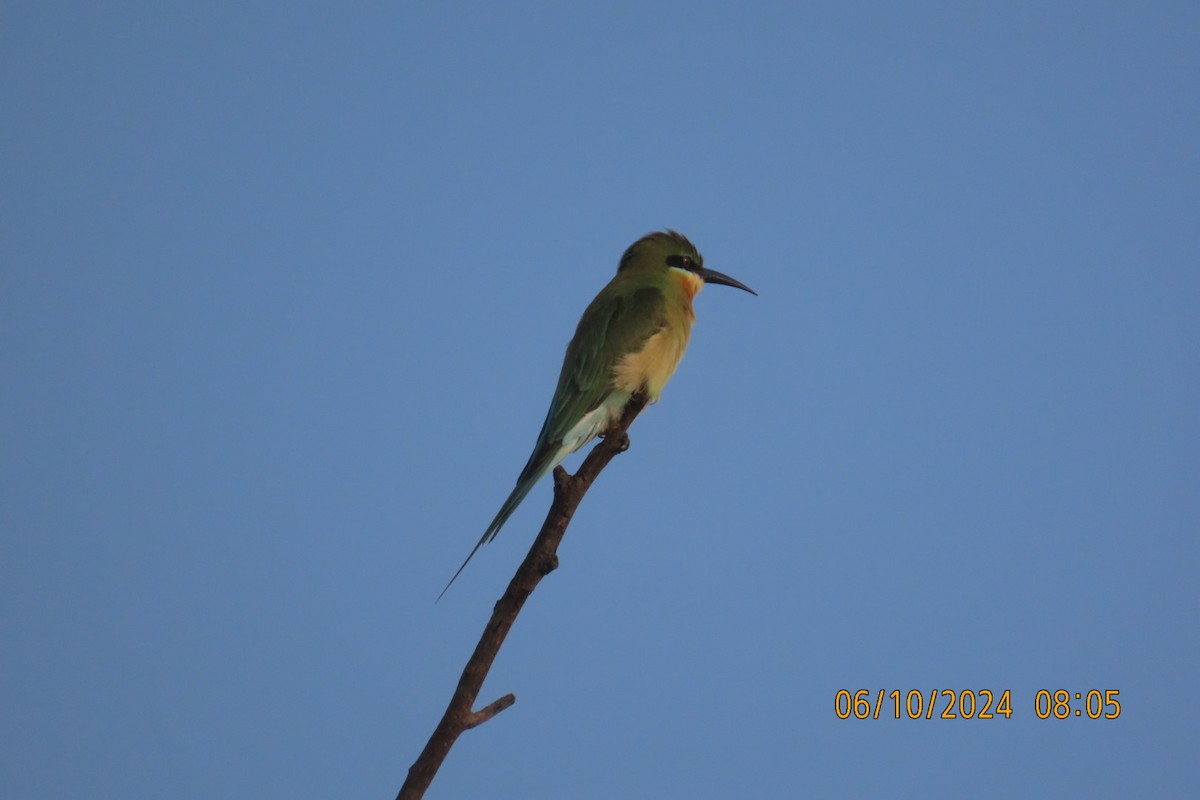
(541, 560)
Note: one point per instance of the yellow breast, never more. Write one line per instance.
(651, 367)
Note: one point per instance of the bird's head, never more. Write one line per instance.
(671, 250)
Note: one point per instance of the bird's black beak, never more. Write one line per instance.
(712, 276)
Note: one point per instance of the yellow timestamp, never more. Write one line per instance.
(1062, 704)
(972, 704)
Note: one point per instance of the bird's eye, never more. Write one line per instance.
(682, 262)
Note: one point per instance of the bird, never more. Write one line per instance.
(629, 342)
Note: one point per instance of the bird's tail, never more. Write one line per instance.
(510, 505)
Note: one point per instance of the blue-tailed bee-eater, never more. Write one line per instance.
(629, 341)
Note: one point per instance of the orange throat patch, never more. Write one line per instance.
(690, 282)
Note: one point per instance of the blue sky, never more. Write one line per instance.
(283, 296)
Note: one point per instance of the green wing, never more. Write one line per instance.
(614, 324)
